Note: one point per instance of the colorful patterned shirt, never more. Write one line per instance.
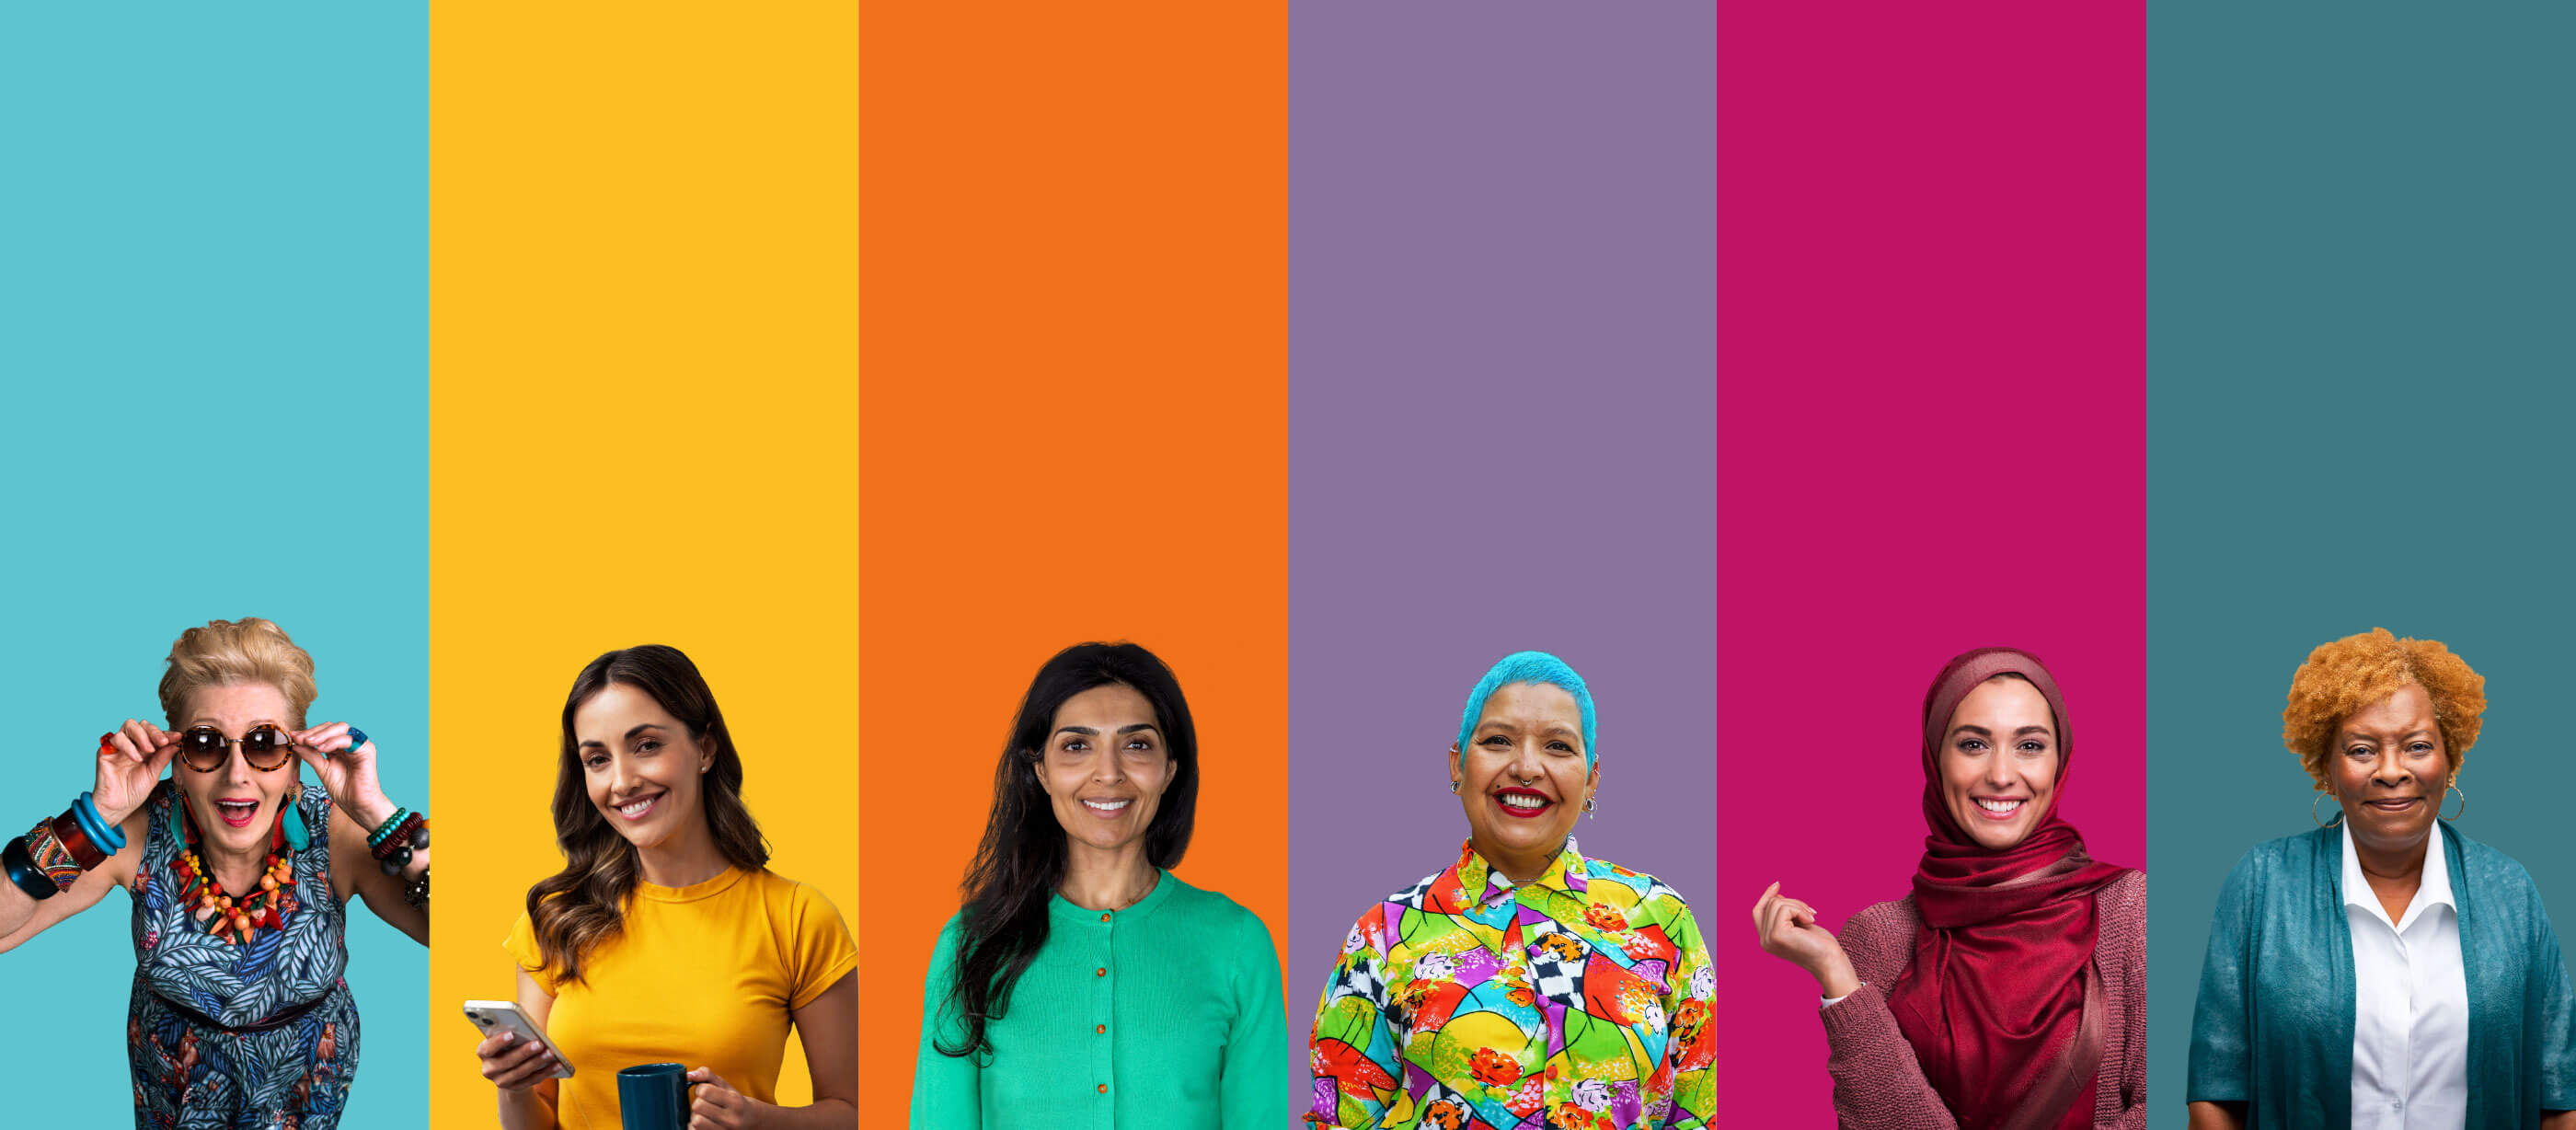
(1580, 1000)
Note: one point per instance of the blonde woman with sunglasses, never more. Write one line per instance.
(240, 877)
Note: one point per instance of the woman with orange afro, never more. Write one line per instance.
(2384, 970)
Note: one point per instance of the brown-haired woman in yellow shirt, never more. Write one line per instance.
(665, 937)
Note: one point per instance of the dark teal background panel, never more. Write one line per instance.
(2361, 248)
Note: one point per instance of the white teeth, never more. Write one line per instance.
(1523, 800)
(1998, 805)
(1106, 805)
(236, 804)
(637, 808)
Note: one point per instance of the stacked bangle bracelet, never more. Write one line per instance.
(53, 855)
(394, 840)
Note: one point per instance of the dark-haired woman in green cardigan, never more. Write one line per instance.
(1082, 985)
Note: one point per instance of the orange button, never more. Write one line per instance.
(1104, 1088)
(1104, 918)
(1099, 1029)
(1100, 972)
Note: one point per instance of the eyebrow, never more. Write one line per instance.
(1091, 732)
(2368, 736)
(1980, 731)
(630, 735)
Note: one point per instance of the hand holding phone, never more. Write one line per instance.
(515, 1052)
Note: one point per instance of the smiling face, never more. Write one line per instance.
(1999, 762)
(2388, 768)
(644, 772)
(1521, 778)
(236, 806)
(1105, 766)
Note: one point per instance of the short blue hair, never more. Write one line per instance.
(1527, 667)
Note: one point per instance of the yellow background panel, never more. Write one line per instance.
(643, 428)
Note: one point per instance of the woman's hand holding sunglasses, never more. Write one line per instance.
(347, 770)
(130, 761)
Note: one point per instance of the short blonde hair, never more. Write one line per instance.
(228, 652)
(2356, 671)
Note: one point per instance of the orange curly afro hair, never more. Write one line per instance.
(2355, 671)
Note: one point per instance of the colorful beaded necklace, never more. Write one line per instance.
(236, 921)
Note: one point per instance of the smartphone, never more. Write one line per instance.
(496, 1017)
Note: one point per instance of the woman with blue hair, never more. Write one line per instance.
(1526, 984)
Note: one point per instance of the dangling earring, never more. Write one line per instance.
(178, 817)
(2454, 786)
(290, 819)
(2312, 811)
(290, 814)
(1589, 804)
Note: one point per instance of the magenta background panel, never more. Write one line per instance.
(1931, 437)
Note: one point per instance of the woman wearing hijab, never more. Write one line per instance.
(2009, 990)
(2382, 971)
(1526, 985)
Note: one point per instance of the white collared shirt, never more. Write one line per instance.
(2410, 1031)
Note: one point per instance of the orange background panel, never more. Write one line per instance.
(643, 429)
(1073, 420)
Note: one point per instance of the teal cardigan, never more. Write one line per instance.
(1167, 1013)
(2274, 1023)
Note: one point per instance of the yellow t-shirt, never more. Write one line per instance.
(703, 975)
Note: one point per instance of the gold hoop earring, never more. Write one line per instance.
(2464, 801)
(2312, 811)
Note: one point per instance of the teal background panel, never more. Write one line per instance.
(213, 339)
(2359, 233)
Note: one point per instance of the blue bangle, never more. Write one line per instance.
(109, 838)
(90, 824)
(23, 873)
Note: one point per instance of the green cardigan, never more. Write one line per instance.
(2273, 1027)
(1166, 1013)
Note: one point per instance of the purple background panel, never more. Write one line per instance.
(1501, 426)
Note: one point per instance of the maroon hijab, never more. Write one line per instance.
(2002, 1003)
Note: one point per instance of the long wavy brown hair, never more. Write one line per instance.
(578, 909)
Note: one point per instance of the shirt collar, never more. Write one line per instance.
(2433, 889)
(1483, 883)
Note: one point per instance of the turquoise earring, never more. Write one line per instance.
(178, 818)
(290, 814)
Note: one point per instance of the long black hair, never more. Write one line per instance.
(1021, 861)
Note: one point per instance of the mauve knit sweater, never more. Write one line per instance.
(1879, 1086)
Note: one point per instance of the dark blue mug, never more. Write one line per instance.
(654, 1096)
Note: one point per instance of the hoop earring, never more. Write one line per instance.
(2312, 812)
(2464, 801)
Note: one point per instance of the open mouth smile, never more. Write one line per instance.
(641, 807)
(1523, 803)
(236, 811)
(2000, 808)
(1107, 808)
